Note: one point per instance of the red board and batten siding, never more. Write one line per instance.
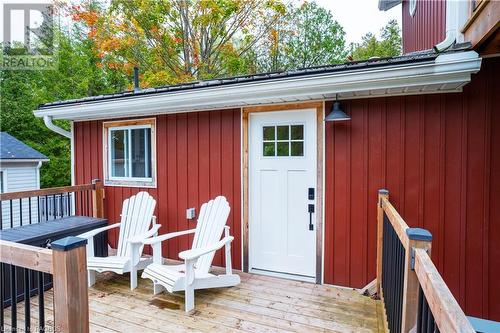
(426, 28)
(439, 156)
(198, 158)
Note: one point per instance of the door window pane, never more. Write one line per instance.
(268, 149)
(283, 133)
(283, 149)
(297, 132)
(297, 148)
(268, 133)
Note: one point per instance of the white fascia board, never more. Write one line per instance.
(445, 69)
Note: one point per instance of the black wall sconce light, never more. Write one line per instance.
(337, 114)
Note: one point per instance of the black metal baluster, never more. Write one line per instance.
(54, 211)
(27, 316)
(13, 299)
(69, 203)
(29, 204)
(38, 208)
(20, 211)
(61, 206)
(419, 310)
(11, 218)
(41, 306)
(46, 208)
(1, 215)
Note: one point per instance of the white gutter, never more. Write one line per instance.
(50, 125)
(447, 73)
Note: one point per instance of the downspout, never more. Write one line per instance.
(50, 125)
(455, 13)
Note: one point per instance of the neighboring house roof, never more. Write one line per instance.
(419, 72)
(13, 149)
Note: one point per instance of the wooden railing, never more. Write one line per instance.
(66, 261)
(27, 207)
(414, 295)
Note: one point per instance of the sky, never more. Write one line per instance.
(360, 16)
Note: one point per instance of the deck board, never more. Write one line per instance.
(258, 304)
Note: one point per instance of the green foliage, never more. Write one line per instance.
(77, 75)
(306, 36)
(388, 46)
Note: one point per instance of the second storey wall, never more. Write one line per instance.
(198, 158)
(426, 28)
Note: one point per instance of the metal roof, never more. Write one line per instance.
(415, 57)
(13, 149)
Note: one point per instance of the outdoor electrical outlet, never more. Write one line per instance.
(190, 213)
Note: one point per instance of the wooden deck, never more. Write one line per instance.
(258, 304)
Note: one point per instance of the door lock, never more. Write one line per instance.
(310, 193)
(310, 209)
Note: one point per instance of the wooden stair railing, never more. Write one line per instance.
(413, 293)
(67, 263)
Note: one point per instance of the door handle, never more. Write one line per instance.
(310, 209)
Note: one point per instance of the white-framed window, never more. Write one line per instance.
(130, 153)
(412, 7)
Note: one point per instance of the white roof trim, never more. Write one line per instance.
(447, 73)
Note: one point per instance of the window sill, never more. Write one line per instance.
(130, 183)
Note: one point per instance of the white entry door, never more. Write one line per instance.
(282, 186)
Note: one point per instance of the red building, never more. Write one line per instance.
(303, 192)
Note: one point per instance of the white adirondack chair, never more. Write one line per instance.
(194, 273)
(137, 224)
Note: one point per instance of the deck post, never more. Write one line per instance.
(71, 303)
(417, 239)
(382, 193)
(98, 199)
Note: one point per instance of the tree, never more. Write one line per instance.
(388, 46)
(175, 41)
(77, 75)
(306, 36)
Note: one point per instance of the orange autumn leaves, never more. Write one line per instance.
(175, 41)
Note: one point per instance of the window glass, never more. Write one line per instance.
(289, 140)
(268, 149)
(283, 149)
(268, 133)
(412, 7)
(297, 148)
(1, 183)
(119, 151)
(283, 132)
(297, 132)
(131, 153)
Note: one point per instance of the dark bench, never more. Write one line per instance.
(41, 234)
